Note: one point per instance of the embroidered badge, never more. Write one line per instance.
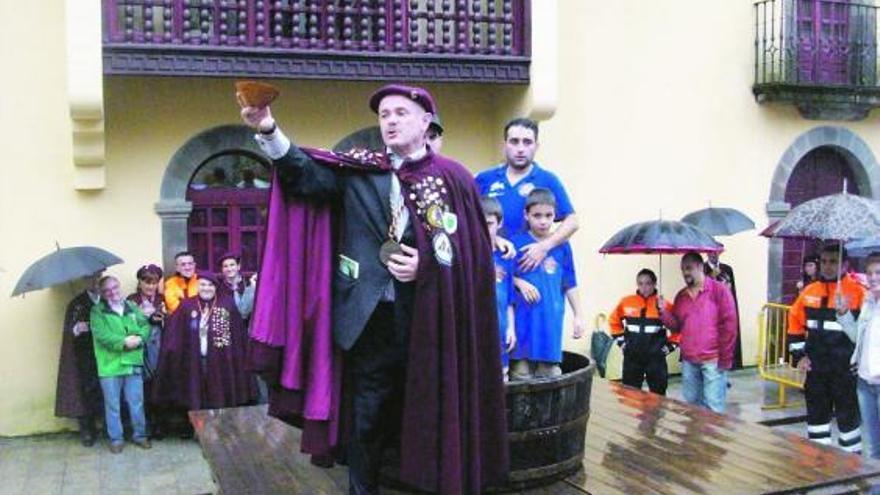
(450, 222)
(525, 189)
(435, 216)
(442, 248)
(550, 265)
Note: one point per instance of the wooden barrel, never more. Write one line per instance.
(547, 424)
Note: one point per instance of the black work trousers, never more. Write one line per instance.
(831, 393)
(376, 367)
(641, 367)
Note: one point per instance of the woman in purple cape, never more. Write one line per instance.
(202, 364)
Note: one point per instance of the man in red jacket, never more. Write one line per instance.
(705, 314)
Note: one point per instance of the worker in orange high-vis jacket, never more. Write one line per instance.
(817, 340)
(184, 283)
(637, 329)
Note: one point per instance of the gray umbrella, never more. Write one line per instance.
(63, 266)
(719, 221)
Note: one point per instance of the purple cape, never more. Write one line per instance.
(291, 334)
(226, 382)
(454, 435)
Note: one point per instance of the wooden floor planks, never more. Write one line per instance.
(636, 443)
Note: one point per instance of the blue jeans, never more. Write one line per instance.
(869, 407)
(703, 384)
(132, 387)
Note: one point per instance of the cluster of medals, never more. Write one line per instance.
(364, 156)
(221, 326)
(429, 197)
(217, 322)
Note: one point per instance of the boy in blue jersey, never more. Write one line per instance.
(504, 293)
(540, 302)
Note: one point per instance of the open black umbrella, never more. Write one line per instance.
(719, 221)
(63, 266)
(661, 237)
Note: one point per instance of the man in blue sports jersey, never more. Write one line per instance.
(512, 181)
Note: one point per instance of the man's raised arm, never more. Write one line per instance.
(299, 174)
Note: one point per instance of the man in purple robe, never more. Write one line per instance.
(412, 276)
(202, 361)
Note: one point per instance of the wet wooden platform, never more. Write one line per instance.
(636, 443)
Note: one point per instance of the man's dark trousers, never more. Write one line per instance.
(376, 366)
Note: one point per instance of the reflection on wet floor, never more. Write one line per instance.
(636, 443)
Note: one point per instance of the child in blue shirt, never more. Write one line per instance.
(504, 293)
(541, 295)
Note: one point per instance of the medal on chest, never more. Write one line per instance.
(430, 197)
(395, 231)
(388, 248)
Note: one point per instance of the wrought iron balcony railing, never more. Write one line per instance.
(818, 54)
(452, 40)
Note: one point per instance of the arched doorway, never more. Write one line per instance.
(814, 165)
(820, 172)
(210, 214)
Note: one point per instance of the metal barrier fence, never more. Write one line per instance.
(774, 361)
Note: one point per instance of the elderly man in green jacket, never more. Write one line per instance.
(119, 330)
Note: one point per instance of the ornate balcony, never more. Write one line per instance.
(437, 40)
(820, 55)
